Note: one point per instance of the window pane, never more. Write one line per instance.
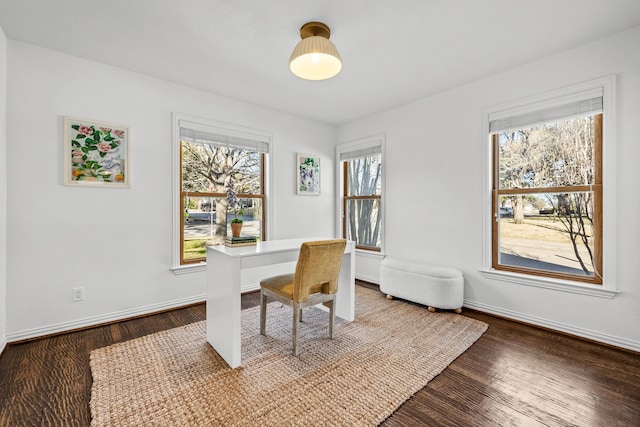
(364, 176)
(201, 225)
(550, 155)
(363, 222)
(251, 214)
(551, 232)
(207, 168)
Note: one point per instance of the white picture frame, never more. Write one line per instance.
(96, 154)
(307, 174)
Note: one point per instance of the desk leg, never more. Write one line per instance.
(223, 306)
(345, 308)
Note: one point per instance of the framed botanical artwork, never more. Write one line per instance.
(308, 174)
(95, 153)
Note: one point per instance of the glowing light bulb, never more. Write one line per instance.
(315, 58)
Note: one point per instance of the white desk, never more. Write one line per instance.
(224, 265)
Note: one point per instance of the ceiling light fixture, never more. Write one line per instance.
(315, 57)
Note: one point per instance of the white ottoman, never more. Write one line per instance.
(430, 285)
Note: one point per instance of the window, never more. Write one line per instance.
(214, 160)
(362, 187)
(547, 190)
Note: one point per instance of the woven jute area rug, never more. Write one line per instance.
(175, 378)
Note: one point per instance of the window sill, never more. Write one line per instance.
(190, 268)
(546, 283)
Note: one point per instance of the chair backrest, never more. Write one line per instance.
(318, 268)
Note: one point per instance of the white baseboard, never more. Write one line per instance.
(110, 317)
(102, 319)
(250, 287)
(153, 308)
(3, 344)
(558, 326)
(370, 279)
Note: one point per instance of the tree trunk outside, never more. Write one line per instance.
(221, 221)
(518, 210)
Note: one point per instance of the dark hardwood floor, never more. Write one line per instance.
(513, 375)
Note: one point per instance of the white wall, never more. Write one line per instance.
(440, 140)
(116, 243)
(3, 190)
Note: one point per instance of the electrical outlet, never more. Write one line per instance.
(78, 294)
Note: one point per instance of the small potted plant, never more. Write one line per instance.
(236, 223)
(232, 203)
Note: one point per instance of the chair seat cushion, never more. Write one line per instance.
(283, 285)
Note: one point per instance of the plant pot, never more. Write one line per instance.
(236, 227)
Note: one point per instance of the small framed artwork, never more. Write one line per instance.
(308, 178)
(95, 153)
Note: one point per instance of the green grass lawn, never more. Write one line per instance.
(194, 249)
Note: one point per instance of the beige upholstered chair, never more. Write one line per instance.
(315, 281)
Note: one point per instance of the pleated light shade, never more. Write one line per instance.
(315, 58)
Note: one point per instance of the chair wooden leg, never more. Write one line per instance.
(263, 313)
(300, 318)
(296, 321)
(332, 318)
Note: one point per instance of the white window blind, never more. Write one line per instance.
(546, 114)
(361, 151)
(206, 134)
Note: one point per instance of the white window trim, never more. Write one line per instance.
(609, 202)
(361, 144)
(221, 129)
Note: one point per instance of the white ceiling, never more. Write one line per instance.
(393, 51)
